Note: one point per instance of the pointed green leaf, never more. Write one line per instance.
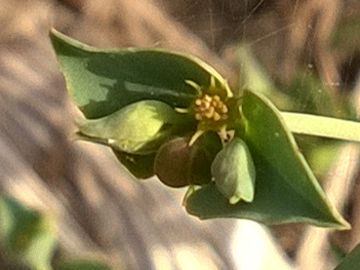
(316, 125)
(103, 81)
(351, 261)
(139, 128)
(26, 237)
(286, 190)
(234, 172)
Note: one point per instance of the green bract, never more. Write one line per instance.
(170, 114)
(286, 189)
(234, 172)
(138, 128)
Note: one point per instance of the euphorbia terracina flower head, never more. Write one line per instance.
(186, 141)
(211, 108)
(132, 99)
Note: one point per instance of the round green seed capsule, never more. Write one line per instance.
(171, 163)
(177, 164)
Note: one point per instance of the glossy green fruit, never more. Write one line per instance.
(177, 164)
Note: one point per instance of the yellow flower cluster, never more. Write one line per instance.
(210, 108)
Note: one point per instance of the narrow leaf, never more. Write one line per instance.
(102, 81)
(315, 125)
(286, 189)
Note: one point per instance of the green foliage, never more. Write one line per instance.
(28, 240)
(351, 261)
(262, 165)
(27, 237)
(138, 128)
(347, 30)
(306, 94)
(286, 190)
(103, 81)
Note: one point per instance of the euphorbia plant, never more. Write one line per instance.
(173, 116)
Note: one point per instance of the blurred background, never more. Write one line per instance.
(304, 54)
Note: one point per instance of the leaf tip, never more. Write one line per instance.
(64, 44)
(55, 36)
(343, 225)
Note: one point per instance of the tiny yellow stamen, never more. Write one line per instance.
(198, 116)
(206, 104)
(207, 98)
(224, 109)
(210, 112)
(216, 116)
(210, 108)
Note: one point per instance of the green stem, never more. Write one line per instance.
(322, 126)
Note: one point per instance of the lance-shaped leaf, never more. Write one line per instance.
(138, 128)
(234, 172)
(103, 81)
(286, 189)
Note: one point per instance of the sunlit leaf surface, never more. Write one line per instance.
(286, 189)
(103, 81)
